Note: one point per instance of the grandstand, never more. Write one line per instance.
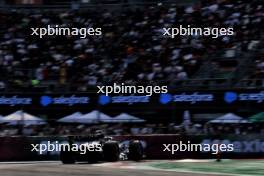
(130, 50)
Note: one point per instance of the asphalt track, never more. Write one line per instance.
(57, 169)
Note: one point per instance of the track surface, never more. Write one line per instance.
(57, 169)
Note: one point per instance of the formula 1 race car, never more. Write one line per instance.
(100, 148)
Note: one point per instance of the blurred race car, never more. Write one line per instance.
(104, 149)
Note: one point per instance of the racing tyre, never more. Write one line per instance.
(111, 151)
(136, 151)
(67, 157)
(94, 157)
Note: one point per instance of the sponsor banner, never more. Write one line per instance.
(131, 99)
(71, 100)
(254, 97)
(230, 99)
(192, 98)
(15, 100)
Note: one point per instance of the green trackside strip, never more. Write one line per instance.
(236, 167)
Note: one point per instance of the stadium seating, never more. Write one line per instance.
(131, 49)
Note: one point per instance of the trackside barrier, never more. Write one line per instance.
(247, 146)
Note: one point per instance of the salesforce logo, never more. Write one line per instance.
(103, 99)
(230, 97)
(130, 99)
(15, 100)
(70, 101)
(45, 100)
(165, 98)
(185, 97)
(257, 97)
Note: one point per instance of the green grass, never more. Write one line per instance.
(240, 167)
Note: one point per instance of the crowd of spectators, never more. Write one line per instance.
(255, 78)
(132, 48)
